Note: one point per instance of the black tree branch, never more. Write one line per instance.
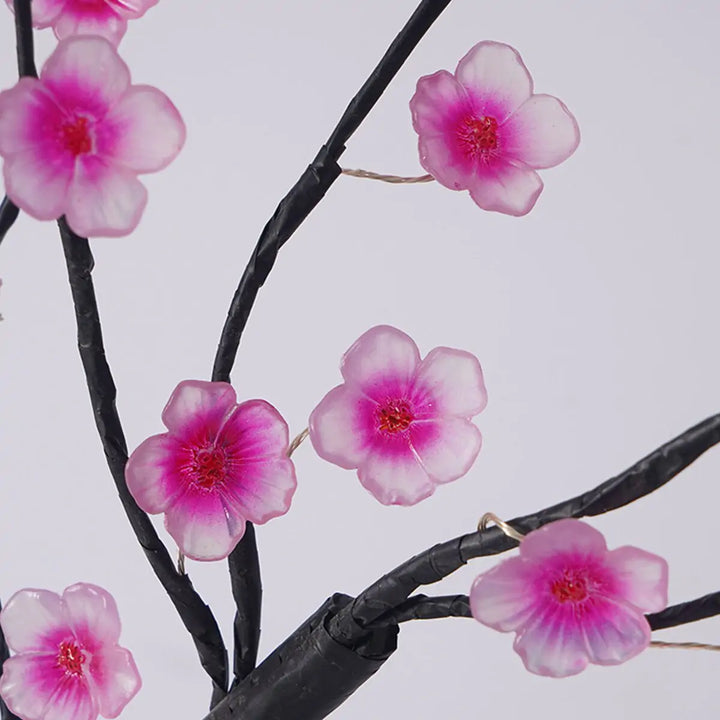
(289, 215)
(194, 613)
(438, 562)
(26, 67)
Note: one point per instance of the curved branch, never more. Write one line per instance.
(194, 613)
(289, 215)
(9, 212)
(647, 475)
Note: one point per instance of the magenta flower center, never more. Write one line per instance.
(571, 586)
(208, 467)
(70, 658)
(75, 136)
(394, 416)
(478, 136)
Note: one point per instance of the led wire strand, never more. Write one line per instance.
(393, 179)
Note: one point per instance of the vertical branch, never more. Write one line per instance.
(307, 192)
(195, 615)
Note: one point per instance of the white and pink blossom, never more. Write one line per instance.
(219, 465)
(570, 601)
(106, 18)
(483, 130)
(75, 140)
(402, 422)
(67, 663)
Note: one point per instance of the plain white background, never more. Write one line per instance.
(595, 320)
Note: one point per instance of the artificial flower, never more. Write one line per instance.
(483, 130)
(106, 18)
(570, 601)
(75, 139)
(67, 663)
(403, 422)
(218, 465)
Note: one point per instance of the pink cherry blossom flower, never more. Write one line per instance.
(484, 130)
(570, 601)
(68, 664)
(75, 140)
(107, 18)
(402, 422)
(218, 465)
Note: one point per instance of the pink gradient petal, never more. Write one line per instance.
(43, 11)
(203, 526)
(395, 478)
(541, 133)
(263, 489)
(115, 680)
(88, 71)
(338, 427)
(500, 599)
(24, 111)
(644, 577)
(150, 474)
(382, 359)
(38, 183)
(449, 382)
(563, 536)
(615, 633)
(447, 448)
(150, 131)
(33, 620)
(93, 615)
(438, 100)
(107, 25)
(196, 402)
(439, 156)
(553, 644)
(507, 187)
(132, 8)
(254, 430)
(104, 200)
(34, 688)
(494, 72)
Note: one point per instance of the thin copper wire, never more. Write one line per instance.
(393, 179)
(181, 563)
(507, 529)
(297, 441)
(685, 645)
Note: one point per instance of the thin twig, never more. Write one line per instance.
(392, 179)
(685, 645)
(297, 441)
(289, 215)
(194, 613)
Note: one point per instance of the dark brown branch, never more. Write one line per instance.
(649, 474)
(194, 613)
(289, 215)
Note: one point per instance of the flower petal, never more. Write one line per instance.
(643, 577)
(26, 111)
(507, 187)
(254, 430)
(115, 679)
(395, 478)
(501, 598)
(86, 72)
(494, 72)
(104, 200)
(43, 11)
(340, 427)
(541, 133)
(151, 474)
(93, 615)
(35, 688)
(262, 489)
(442, 159)
(438, 100)
(449, 382)
(150, 131)
(383, 360)
(553, 644)
(562, 537)
(203, 525)
(104, 23)
(614, 632)
(196, 409)
(34, 621)
(447, 447)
